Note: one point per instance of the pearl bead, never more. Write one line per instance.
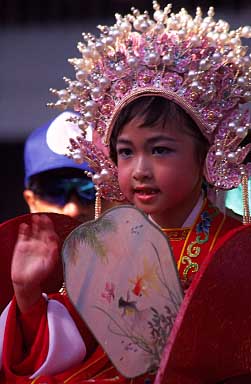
(230, 55)
(231, 157)
(219, 154)
(144, 26)
(234, 41)
(246, 60)
(81, 75)
(241, 80)
(96, 93)
(89, 116)
(192, 73)
(246, 31)
(152, 59)
(82, 124)
(242, 170)
(104, 82)
(96, 179)
(223, 37)
(159, 28)
(181, 34)
(167, 59)
(204, 64)
(91, 105)
(125, 27)
(109, 40)
(232, 126)
(119, 70)
(195, 85)
(73, 99)
(115, 33)
(86, 52)
(78, 157)
(158, 15)
(132, 61)
(247, 96)
(195, 40)
(241, 132)
(217, 57)
(99, 46)
(61, 104)
(62, 94)
(105, 175)
(136, 24)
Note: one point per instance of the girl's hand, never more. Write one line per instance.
(35, 256)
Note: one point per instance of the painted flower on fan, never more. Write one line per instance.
(109, 293)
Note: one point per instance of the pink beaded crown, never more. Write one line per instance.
(196, 62)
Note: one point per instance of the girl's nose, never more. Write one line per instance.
(142, 170)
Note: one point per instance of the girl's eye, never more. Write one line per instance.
(124, 152)
(161, 150)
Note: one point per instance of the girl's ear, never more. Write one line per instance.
(30, 199)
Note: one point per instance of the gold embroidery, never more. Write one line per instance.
(81, 370)
(176, 234)
(194, 248)
(33, 381)
(192, 252)
(217, 233)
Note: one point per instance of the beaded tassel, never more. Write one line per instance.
(97, 205)
(246, 211)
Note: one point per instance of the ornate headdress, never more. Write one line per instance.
(196, 62)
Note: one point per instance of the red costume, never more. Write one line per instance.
(192, 248)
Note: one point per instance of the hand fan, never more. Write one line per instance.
(121, 276)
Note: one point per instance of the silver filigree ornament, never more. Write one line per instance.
(197, 62)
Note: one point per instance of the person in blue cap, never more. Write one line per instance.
(54, 182)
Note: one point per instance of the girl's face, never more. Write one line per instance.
(158, 171)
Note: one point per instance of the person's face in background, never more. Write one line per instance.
(64, 191)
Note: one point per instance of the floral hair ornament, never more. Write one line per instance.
(198, 63)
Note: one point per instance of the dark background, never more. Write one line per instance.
(29, 67)
(44, 11)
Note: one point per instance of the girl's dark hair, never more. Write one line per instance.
(155, 110)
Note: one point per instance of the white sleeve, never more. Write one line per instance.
(3, 319)
(66, 346)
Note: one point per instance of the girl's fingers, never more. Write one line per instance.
(35, 226)
(24, 232)
(43, 227)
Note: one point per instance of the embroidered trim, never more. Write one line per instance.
(85, 368)
(115, 378)
(176, 234)
(217, 233)
(34, 381)
(202, 236)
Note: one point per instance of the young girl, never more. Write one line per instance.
(166, 101)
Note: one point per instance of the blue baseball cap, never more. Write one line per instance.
(45, 147)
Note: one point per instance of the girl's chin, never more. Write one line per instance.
(147, 209)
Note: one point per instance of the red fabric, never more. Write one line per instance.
(18, 357)
(30, 321)
(211, 339)
(190, 340)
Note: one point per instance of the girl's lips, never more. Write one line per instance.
(146, 195)
(146, 190)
